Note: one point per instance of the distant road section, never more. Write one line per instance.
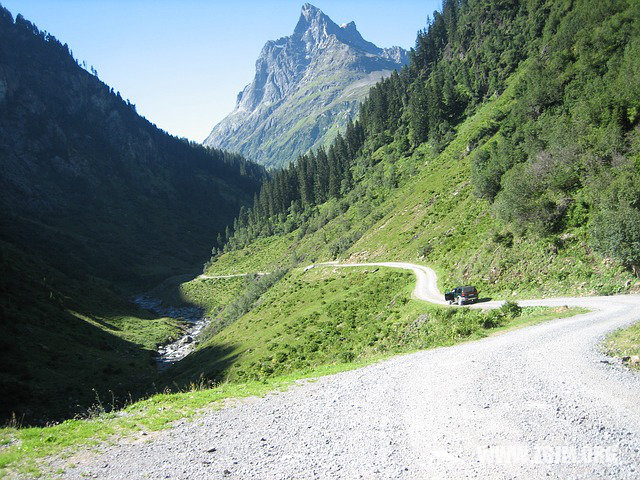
(234, 275)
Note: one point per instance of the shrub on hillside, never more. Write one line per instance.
(244, 302)
(529, 200)
(490, 163)
(493, 319)
(615, 227)
(347, 356)
(510, 309)
(499, 316)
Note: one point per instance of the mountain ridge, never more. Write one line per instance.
(305, 89)
(97, 204)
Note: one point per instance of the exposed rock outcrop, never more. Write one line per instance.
(305, 89)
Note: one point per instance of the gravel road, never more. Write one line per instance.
(233, 275)
(538, 402)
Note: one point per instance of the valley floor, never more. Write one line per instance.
(537, 402)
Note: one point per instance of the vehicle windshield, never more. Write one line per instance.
(468, 289)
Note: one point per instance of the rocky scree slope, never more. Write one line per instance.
(306, 88)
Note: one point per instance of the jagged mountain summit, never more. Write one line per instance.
(306, 88)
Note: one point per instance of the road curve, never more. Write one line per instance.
(535, 403)
(426, 280)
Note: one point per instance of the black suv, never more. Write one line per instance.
(462, 295)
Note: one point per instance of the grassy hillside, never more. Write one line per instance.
(422, 208)
(419, 208)
(212, 294)
(328, 316)
(308, 324)
(506, 154)
(625, 344)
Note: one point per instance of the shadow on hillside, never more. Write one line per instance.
(199, 369)
(209, 364)
(57, 365)
(484, 299)
(69, 345)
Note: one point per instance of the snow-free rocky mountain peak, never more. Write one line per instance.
(305, 89)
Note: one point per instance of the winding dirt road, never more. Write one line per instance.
(538, 402)
(426, 280)
(232, 275)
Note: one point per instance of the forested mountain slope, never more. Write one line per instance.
(530, 108)
(506, 155)
(92, 185)
(96, 203)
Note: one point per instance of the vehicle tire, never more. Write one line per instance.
(450, 302)
(460, 301)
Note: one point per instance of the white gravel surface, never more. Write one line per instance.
(538, 402)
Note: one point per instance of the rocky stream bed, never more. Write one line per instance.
(195, 321)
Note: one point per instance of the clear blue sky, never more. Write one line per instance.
(183, 62)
